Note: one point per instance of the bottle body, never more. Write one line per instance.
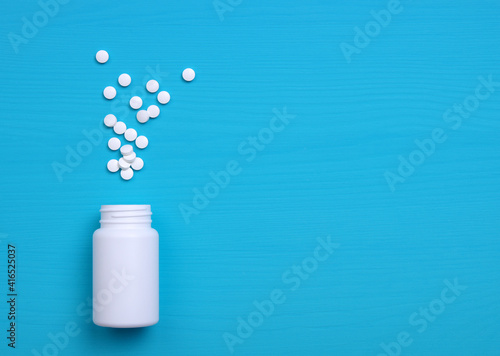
(125, 268)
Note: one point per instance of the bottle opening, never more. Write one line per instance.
(125, 214)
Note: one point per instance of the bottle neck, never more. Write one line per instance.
(125, 216)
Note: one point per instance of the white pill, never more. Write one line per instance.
(142, 116)
(141, 142)
(163, 97)
(110, 120)
(130, 135)
(127, 173)
(120, 127)
(124, 80)
(135, 102)
(123, 164)
(137, 164)
(126, 150)
(153, 111)
(188, 74)
(113, 165)
(152, 86)
(130, 158)
(109, 92)
(114, 143)
(102, 56)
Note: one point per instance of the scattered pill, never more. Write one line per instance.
(188, 74)
(110, 120)
(129, 162)
(137, 164)
(127, 173)
(120, 127)
(109, 92)
(130, 158)
(152, 86)
(142, 116)
(130, 135)
(135, 102)
(163, 97)
(153, 111)
(113, 165)
(124, 80)
(126, 150)
(102, 56)
(141, 142)
(123, 164)
(114, 143)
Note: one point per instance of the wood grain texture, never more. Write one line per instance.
(324, 174)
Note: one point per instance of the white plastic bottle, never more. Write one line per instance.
(126, 270)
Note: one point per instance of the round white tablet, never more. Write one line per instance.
(163, 97)
(113, 165)
(123, 164)
(141, 142)
(153, 111)
(102, 56)
(130, 135)
(137, 164)
(110, 120)
(142, 116)
(126, 150)
(109, 92)
(130, 158)
(152, 86)
(114, 143)
(188, 74)
(120, 127)
(124, 80)
(127, 173)
(135, 102)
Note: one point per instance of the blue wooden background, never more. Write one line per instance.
(413, 266)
